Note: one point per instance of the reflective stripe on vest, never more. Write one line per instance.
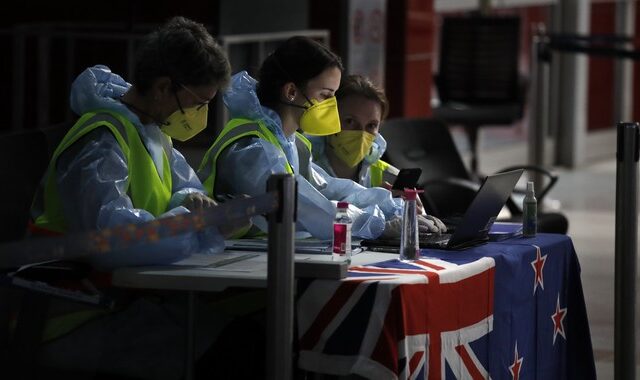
(304, 154)
(382, 172)
(234, 131)
(146, 188)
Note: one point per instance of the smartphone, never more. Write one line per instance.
(407, 178)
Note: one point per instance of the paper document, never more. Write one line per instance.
(215, 261)
(312, 246)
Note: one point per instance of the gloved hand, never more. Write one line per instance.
(237, 228)
(430, 224)
(198, 201)
(399, 193)
(392, 228)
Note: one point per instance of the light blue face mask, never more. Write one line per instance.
(377, 150)
(374, 154)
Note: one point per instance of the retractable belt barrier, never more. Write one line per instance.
(76, 245)
(626, 178)
(599, 45)
(626, 249)
(280, 205)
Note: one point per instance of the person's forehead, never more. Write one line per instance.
(360, 106)
(204, 92)
(328, 79)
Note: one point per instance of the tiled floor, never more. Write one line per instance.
(587, 197)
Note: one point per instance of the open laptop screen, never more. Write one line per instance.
(474, 227)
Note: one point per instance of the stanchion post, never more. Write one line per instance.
(280, 280)
(538, 113)
(626, 250)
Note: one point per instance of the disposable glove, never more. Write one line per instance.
(198, 201)
(398, 194)
(430, 224)
(237, 228)
(392, 228)
(229, 230)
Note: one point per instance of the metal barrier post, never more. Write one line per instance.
(626, 250)
(538, 113)
(280, 290)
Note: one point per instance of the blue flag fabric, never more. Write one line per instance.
(506, 310)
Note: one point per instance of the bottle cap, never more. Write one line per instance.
(343, 204)
(411, 194)
(530, 186)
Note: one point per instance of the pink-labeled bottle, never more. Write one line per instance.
(342, 234)
(409, 243)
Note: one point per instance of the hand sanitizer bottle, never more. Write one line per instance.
(409, 244)
(529, 212)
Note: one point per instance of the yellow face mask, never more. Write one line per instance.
(184, 124)
(321, 118)
(351, 146)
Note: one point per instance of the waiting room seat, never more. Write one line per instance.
(478, 81)
(448, 186)
(23, 159)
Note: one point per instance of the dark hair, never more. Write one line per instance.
(183, 50)
(362, 86)
(298, 60)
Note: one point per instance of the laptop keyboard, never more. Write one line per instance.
(435, 240)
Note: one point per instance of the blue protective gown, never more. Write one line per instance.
(92, 176)
(245, 166)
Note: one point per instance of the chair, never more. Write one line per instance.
(478, 82)
(448, 186)
(24, 158)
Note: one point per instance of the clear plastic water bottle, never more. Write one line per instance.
(342, 234)
(529, 212)
(409, 245)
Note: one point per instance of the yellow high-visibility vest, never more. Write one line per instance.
(148, 191)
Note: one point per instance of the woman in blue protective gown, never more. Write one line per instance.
(97, 179)
(295, 91)
(90, 185)
(355, 152)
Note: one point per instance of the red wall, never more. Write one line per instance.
(600, 99)
(418, 57)
(410, 36)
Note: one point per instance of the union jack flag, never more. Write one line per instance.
(507, 310)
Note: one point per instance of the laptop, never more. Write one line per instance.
(473, 228)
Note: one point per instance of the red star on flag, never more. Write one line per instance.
(558, 318)
(517, 365)
(538, 265)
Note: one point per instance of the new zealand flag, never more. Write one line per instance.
(506, 310)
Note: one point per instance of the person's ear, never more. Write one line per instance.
(162, 88)
(289, 92)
